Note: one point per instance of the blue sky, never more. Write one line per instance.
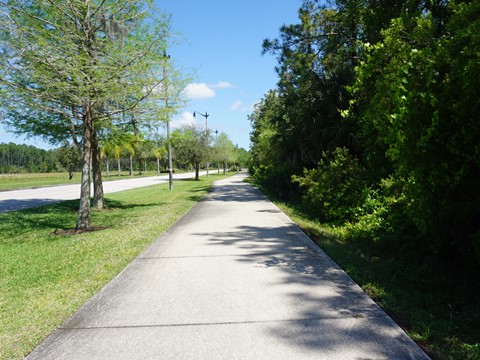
(220, 44)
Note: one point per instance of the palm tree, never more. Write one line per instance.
(159, 153)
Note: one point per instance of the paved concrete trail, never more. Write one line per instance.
(233, 279)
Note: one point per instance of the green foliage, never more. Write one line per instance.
(411, 115)
(335, 190)
(395, 83)
(243, 157)
(413, 94)
(58, 59)
(23, 158)
(224, 151)
(69, 158)
(75, 68)
(191, 146)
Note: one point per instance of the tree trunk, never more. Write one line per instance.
(107, 162)
(83, 221)
(158, 166)
(98, 196)
(119, 166)
(131, 165)
(196, 166)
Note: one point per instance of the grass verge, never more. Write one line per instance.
(29, 181)
(36, 180)
(45, 277)
(435, 302)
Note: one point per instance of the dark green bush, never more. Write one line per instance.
(336, 190)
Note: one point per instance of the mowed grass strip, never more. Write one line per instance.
(29, 181)
(44, 278)
(36, 180)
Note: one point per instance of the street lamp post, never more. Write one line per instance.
(206, 115)
(218, 161)
(170, 168)
(169, 148)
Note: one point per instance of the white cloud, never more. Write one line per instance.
(199, 91)
(203, 90)
(222, 85)
(240, 106)
(186, 119)
(237, 105)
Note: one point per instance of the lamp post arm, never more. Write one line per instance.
(206, 115)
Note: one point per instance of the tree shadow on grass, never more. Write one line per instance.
(123, 205)
(50, 217)
(58, 219)
(199, 193)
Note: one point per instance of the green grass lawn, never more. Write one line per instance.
(28, 181)
(44, 278)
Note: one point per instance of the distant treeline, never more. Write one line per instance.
(16, 158)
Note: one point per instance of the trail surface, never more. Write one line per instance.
(233, 279)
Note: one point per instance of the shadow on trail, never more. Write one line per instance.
(331, 311)
(332, 314)
(236, 191)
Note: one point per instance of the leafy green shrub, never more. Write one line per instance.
(336, 190)
(383, 219)
(275, 178)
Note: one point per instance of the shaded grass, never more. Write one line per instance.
(45, 277)
(437, 303)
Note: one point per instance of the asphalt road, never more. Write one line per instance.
(233, 279)
(22, 199)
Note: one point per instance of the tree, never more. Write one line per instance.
(419, 106)
(225, 151)
(22, 158)
(243, 157)
(145, 151)
(69, 159)
(160, 152)
(315, 65)
(69, 67)
(191, 146)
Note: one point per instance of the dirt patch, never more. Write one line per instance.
(78, 231)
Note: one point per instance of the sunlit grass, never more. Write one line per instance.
(30, 181)
(44, 278)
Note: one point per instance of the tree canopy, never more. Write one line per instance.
(191, 145)
(78, 69)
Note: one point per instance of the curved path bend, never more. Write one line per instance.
(233, 279)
